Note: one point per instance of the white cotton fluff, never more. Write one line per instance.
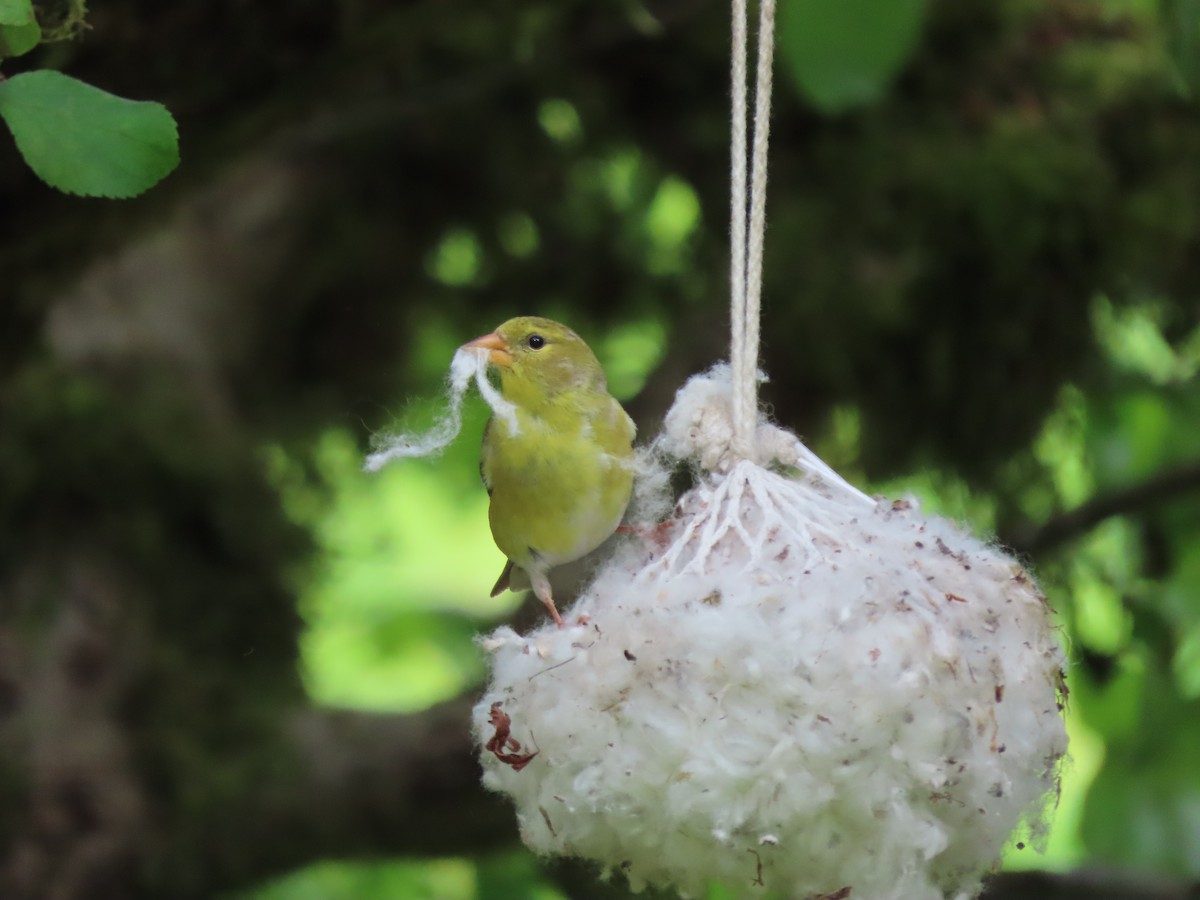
(790, 689)
(467, 364)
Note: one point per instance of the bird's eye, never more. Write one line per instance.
(536, 342)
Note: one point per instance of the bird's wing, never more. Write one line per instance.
(485, 464)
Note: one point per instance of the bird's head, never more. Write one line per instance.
(539, 359)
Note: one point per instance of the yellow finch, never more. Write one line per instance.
(559, 474)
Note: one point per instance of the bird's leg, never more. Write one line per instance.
(541, 588)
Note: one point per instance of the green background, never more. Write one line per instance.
(982, 288)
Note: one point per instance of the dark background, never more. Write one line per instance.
(226, 655)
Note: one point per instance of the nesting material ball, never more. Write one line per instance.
(788, 688)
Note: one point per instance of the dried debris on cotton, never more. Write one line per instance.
(788, 688)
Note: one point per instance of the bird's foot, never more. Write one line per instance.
(541, 588)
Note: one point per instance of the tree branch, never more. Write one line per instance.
(1033, 539)
(1086, 885)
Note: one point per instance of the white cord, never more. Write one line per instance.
(742, 443)
(747, 251)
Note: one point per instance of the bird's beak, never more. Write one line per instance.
(497, 347)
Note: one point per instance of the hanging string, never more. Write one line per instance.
(746, 258)
(742, 443)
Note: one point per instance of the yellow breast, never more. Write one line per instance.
(558, 487)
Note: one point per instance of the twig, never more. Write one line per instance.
(1170, 484)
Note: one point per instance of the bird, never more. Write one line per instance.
(559, 473)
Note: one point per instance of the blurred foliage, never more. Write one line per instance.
(982, 277)
(394, 603)
(511, 877)
(845, 53)
(1182, 21)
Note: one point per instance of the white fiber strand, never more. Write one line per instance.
(500, 407)
(467, 365)
(819, 469)
(786, 512)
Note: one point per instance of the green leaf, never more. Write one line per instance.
(1181, 20)
(82, 140)
(16, 40)
(16, 12)
(845, 53)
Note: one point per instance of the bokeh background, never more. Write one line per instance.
(233, 666)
